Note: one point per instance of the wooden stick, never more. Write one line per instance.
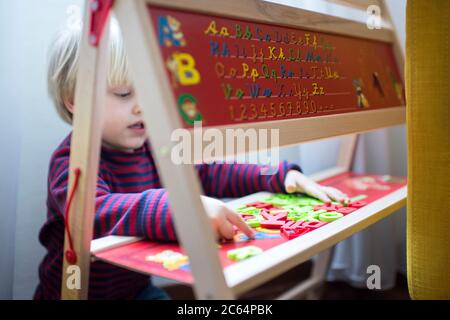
(84, 154)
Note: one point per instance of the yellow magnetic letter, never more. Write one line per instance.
(245, 68)
(211, 28)
(185, 69)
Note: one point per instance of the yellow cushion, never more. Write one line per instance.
(428, 120)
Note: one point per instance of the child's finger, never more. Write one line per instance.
(339, 192)
(290, 188)
(290, 184)
(336, 194)
(226, 230)
(240, 223)
(317, 193)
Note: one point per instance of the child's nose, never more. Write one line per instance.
(136, 109)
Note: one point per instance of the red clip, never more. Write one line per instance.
(99, 10)
(71, 255)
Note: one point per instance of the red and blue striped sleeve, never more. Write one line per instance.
(237, 180)
(146, 214)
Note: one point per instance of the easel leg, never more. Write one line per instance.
(311, 288)
(319, 273)
(90, 93)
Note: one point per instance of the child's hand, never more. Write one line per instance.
(296, 181)
(223, 219)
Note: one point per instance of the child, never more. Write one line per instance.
(130, 199)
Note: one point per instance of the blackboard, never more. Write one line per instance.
(225, 71)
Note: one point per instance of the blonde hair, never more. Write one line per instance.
(63, 66)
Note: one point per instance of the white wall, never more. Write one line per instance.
(9, 140)
(30, 132)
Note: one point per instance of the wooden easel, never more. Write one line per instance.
(161, 116)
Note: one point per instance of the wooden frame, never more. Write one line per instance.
(85, 149)
(191, 222)
(294, 131)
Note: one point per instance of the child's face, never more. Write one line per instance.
(123, 123)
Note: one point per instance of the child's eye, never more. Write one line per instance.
(122, 94)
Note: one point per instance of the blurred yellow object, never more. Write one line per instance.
(171, 260)
(428, 123)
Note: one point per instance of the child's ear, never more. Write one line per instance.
(69, 105)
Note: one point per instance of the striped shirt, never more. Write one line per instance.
(131, 201)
